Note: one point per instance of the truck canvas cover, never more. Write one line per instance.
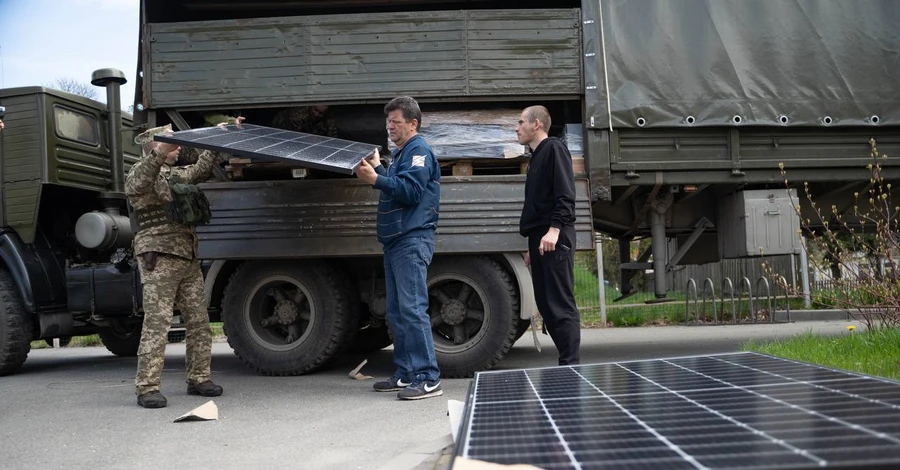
(785, 62)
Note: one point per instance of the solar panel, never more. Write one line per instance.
(741, 410)
(248, 140)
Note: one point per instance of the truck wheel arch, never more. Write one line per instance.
(11, 255)
(516, 264)
(216, 279)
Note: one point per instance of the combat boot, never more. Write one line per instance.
(206, 389)
(152, 400)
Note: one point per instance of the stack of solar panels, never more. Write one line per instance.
(742, 410)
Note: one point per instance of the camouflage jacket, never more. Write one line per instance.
(300, 119)
(147, 185)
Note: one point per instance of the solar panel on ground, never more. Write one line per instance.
(741, 410)
(248, 140)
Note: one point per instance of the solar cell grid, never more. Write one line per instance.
(248, 140)
(743, 410)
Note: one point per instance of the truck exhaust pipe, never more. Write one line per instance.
(112, 79)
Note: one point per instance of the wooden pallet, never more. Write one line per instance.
(470, 167)
(478, 166)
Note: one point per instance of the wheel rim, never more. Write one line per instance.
(459, 312)
(279, 313)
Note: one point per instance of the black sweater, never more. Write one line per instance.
(549, 189)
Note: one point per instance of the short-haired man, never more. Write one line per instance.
(407, 219)
(548, 221)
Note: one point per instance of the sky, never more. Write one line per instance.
(45, 40)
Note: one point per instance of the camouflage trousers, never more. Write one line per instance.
(173, 281)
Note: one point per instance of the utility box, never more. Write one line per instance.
(759, 223)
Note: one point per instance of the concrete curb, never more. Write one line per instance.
(424, 456)
(813, 315)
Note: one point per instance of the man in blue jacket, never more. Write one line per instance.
(407, 218)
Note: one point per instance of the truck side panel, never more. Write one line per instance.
(79, 145)
(285, 219)
(364, 57)
(747, 149)
(21, 155)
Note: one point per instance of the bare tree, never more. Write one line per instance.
(74, 86)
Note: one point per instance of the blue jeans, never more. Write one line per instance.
(405, 268)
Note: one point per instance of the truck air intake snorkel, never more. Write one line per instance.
(112, 79)
(109, 229)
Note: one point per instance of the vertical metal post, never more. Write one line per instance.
(793, 273)
(658, 246)
(598, 241)
(804, 273)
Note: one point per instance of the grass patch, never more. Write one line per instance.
(75, 342)
(875, 352)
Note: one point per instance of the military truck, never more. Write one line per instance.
(684, 110)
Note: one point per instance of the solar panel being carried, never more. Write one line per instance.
(741, 410)
(248, 140)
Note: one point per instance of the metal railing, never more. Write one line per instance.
(706, 298)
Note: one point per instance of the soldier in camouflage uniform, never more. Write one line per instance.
(169, 267)
(307, 119)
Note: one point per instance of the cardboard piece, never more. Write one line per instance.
(205, 412)
(354, 374)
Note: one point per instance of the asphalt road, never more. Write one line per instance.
(75, 408)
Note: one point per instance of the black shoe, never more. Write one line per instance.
(421, 389)
(392, 384)
(152, 400)
(206, 389)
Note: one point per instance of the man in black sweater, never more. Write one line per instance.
(548, 221)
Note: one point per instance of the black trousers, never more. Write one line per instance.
(553, 277)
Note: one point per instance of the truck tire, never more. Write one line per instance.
(15, 326)
(122, 339)
(286, 318)
(474, 309)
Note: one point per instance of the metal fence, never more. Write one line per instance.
(634, 309)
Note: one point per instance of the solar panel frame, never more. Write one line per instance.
(268, 143)
(853, 424)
